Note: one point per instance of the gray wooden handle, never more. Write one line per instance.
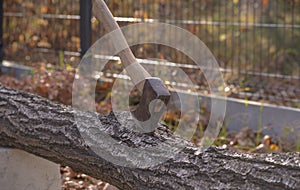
(129, 62)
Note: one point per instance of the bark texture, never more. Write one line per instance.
(49, 130)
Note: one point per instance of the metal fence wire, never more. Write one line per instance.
(256, 42)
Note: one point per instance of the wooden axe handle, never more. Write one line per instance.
(129, 62)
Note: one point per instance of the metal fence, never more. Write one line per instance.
(256, 42)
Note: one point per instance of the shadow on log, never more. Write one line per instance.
(49, 130)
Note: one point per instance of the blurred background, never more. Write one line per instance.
(256, 42)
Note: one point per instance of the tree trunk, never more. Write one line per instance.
(48, 129)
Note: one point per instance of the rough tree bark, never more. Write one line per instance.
(48, 129)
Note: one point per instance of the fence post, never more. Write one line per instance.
(85, 25)
(1, 33)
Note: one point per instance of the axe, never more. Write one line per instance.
(151, 88)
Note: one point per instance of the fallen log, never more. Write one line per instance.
(49, 130)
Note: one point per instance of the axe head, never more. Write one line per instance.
(154, 89)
